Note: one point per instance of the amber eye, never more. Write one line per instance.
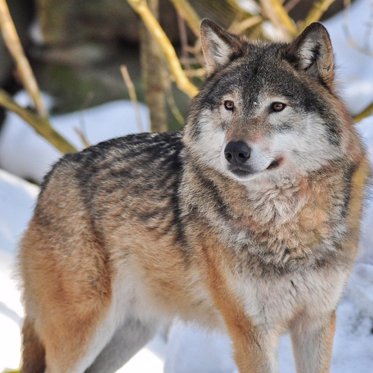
(229, 105)
(278, 106)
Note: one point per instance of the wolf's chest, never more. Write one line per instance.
(275, 302)
(285, 240)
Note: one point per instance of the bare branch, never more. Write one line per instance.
(188, 13)
(278, 15)
(291, 4)
(196, 73)
(366, 112)
(82, 136)
(174, 109)
(241, 27)
(40, 124)
(317, 11)
(14, 46)
(183, 41)
(240, 10)
(132, 93)
(154, 28)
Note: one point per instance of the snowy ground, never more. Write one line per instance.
(32, 156)
(188, 349)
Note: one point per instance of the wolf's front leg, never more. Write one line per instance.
(254, 348)
(255, 352)
(313, 343)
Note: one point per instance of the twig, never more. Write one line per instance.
(40, 124)
(132, 93)
(291, 4)
(14, 46)
(241, 11)
(317, 11)
(183, 41)
(81, 130)
(241, 27)
(154, 28)
(174, 109)
(196, 73)
(83, 138)
(364, 113)
(278, 15)
(188, 13)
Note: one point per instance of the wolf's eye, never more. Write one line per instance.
(229, 105)
(278, 106)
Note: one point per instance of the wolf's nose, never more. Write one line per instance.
(237, 152)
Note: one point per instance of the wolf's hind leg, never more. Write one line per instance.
(74, 344)
(33, 360)
(126, 341)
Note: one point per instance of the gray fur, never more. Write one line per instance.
(153, 226)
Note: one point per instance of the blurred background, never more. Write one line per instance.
(76, 72)
(74, 55)
(76, 47)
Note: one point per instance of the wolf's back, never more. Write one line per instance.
(136, 166)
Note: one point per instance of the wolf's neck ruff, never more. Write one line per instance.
(290, 225)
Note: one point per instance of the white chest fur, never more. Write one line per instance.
(273, 303)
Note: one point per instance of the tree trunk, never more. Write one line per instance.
(155, 77)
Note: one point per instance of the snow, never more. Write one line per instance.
(354, 68)
(26, 154)
(187, 348)
(17, 199)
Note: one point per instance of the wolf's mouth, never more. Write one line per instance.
(246, 171)
(241, 172)
(274, 164)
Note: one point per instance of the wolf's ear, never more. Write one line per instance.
(312, 52)
(218, 46)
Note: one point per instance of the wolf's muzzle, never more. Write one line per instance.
(237, 153)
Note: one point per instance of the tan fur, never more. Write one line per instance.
(60, 283)
(329, 337)
(133, 232)
(247, 350)
(61, 292)
(33, 350)
(359, 181)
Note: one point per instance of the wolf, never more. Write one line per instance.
(247, 221)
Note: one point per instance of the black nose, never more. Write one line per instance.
(237, 152)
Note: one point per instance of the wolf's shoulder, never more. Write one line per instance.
(143, 150)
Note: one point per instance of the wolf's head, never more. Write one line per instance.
(268, 109)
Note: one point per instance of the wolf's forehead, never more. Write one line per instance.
(261, 71)
(255, 78)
